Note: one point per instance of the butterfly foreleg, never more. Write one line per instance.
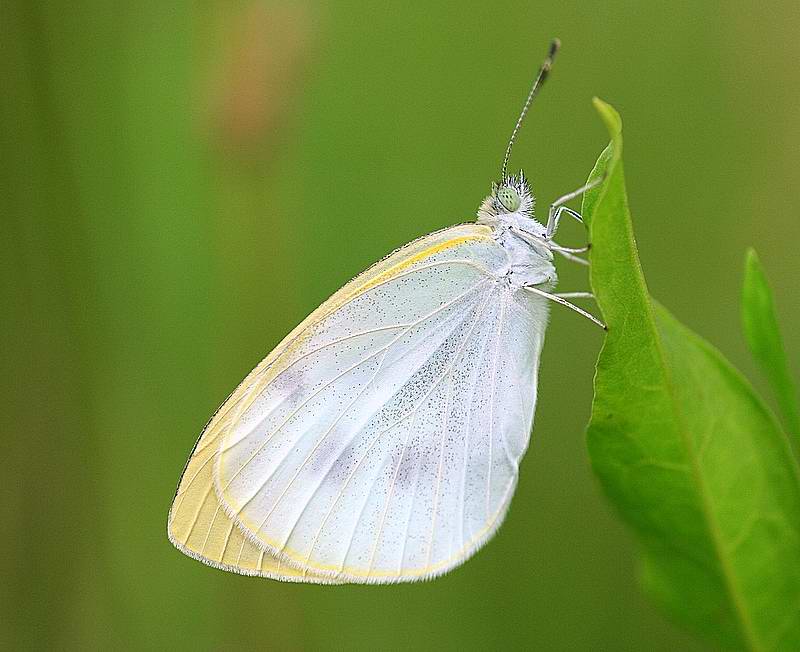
(557, 208)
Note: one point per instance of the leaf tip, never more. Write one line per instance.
(610, 116)
(755, 280)
(751, 260)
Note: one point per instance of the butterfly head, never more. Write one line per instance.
(511, 201)
(512, 197)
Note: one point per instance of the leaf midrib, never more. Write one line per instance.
(706, 503)
(705, 498)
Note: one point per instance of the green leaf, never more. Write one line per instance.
(687, 452)
(763, 336)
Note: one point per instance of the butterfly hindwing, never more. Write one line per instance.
(380, 441)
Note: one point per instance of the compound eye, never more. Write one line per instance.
(509, 198)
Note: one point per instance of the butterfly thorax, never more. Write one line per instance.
(509, 212)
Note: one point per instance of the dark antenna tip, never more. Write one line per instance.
(544, 70)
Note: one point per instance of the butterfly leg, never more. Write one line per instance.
(561, 300)
(557, 208)
(570, 256)
(574, 295)
(566, 252)
(570, 250)
(554, 216)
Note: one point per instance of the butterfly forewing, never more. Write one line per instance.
(380, 441)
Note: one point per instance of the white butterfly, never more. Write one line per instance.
(380, 441)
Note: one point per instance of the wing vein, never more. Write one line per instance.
(337, 377)
(467, 439)
(197, 514)
(343, 488)
(302, 357)
(225, 409)
(314, 449)
(408, 519)
(491, 403)
(241, 549)
(319, 484)
(390, 494)
(182, 494)
(446, 419)
(445, 374)
(227, 541)
(383, 350)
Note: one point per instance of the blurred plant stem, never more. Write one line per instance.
(109, 256)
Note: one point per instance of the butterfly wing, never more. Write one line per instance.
(199, 527)
(380, 441)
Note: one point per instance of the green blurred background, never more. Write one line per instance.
(182, 183)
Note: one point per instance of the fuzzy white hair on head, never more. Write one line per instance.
(493, 208)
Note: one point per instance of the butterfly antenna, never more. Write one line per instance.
(537, 84)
